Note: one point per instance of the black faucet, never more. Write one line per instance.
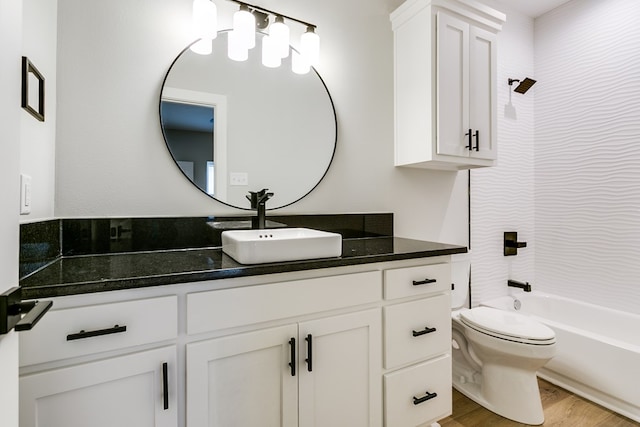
(515, 284)
(258, 201)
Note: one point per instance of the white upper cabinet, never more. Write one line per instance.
(445, 84)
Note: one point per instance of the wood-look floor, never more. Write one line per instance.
(561, 408)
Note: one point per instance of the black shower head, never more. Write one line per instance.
(524, 85)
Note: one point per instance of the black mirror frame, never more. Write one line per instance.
(28, 67)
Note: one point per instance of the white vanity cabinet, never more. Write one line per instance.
(445, 68)
(359, 346)
(417, 381)
(99, 366)
(315, 373)
(314, 370)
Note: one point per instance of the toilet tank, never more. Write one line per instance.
(460, 270)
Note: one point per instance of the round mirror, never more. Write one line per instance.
(234, 127)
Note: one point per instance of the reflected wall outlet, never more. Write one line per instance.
(25, 194)
(238, 178)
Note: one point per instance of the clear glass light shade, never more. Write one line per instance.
(205, 19)
(310, 46)
(299, 63)
(203, 47)
(244, 25)
(270, 57)
(237, 50)
(279, 32)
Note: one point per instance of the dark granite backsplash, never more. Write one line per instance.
(39, 245)
(44, 242)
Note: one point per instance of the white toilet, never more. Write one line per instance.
(496, 355)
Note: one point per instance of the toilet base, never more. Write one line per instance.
(522, 405)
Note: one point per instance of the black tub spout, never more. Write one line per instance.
(515, 284)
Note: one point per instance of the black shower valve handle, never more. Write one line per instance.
(511, 243)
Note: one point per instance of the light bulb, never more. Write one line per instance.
(299, 63)
(310, 46)
(236, 49)
(244, 25)
(205, 19)
(270, 57)
(279, 33)
(202, 47)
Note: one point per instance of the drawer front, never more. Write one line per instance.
(422, 280)
(81, 331)
(417, 330)
(409, 393)
(227, 308)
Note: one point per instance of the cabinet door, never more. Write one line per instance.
(452, 82)
(243, 380)
(483, 101)
(342, 385)
(126, 391)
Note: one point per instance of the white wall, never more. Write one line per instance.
(588, 152)
(502, 196)
(37, 142)
(111, 158)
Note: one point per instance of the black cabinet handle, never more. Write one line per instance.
(423, 282)
(292, 364)
(89, 334)
(428, 396)
(12, 310)
(165, 385)
(470, 146)
(426, 330)
(477, 136)
(309, 359)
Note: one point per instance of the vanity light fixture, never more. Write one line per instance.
(275, 45)
(310, 45)
(205, 24)
(244, 25)
(279, 33)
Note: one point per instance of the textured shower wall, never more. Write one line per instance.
(502, 196)
(587, 152)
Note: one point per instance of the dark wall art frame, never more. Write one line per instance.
(29, 68)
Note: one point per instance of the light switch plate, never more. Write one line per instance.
(239, 178)
(25, 194)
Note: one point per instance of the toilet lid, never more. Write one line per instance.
(508, 325)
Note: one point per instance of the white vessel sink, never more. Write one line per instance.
(280, 244)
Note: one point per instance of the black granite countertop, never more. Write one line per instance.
(97, 273)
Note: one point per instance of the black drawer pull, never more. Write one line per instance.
(292, 364)
(165, 385)
(428, 396)
(426, 330)
(89, 334)
(423, 282)
(309, 359)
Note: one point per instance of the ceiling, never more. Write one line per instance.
(533, 8)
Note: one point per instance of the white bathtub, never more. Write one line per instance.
(598, 349)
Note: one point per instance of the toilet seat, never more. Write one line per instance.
(508, 325)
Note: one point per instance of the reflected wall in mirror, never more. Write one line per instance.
(234, 127)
